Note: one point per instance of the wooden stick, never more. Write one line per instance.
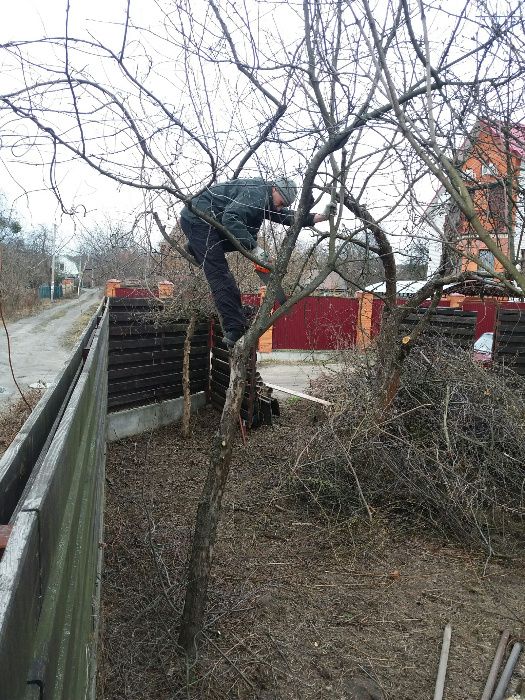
(299, 394)
(493, 673)
(443, 661)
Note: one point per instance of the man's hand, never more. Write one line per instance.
(328, 211)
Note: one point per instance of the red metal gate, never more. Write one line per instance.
(318, 323)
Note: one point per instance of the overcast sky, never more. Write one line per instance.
(195, 82)
(23, 184)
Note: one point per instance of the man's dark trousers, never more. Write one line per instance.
(207, 247)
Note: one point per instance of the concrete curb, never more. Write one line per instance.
(134, 421)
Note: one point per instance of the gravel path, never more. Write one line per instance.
(40, 344)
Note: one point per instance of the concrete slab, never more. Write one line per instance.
(294, 375)
(134, 421)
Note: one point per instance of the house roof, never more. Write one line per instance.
(332, 281)
(516, 136)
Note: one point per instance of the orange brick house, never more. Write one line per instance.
(492, 163)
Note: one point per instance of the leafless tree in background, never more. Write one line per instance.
(365, 105)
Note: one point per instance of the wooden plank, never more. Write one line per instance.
(221, 354)
(220, 367)
(219, 390)
(299, 394)
(138, 316)
(155, 380)
(218, 402)
(133, 358)
(438, 321)
(158, 368)
(148, 329)
(157, 342)
(446, 311)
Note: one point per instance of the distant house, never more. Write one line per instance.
(492, 164)
(333, 285)
(65, 266)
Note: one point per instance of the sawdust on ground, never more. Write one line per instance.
(298, 605)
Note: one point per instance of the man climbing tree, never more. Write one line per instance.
(240, 206)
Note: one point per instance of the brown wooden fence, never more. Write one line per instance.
(453, 325)
(146, 353)
(509, 340)
(257, 407)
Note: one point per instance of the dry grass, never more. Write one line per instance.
(75, 331)
(13, 417)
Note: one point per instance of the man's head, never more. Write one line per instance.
(284, 192)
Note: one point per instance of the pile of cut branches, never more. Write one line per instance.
(449, 453)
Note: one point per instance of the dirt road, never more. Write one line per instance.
(41, 344)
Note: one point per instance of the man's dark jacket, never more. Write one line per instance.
(240, 206)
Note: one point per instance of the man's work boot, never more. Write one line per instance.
(232, 336)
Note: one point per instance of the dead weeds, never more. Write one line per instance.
(13, 417)
(298, 605)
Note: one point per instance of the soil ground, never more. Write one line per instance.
(298, 605)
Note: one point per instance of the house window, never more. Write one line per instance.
(469, 173)
(489, 169)
(487, 258)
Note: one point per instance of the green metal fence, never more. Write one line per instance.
(50, 571)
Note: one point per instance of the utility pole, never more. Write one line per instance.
(53, 245)
(80, 274)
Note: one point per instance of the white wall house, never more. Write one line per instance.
(66, 266)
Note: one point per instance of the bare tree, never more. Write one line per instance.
(364, 104)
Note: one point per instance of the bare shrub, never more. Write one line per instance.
(450, 454)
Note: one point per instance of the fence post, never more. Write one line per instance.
(456, 301)
(266, 339)
(364, 320)
(111, 286)
(165, 289)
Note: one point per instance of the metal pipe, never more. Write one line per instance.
(493, 673)
(443, 661)
(507, 672)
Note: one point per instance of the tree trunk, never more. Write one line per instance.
(393, 349)
(186, 411)
(389, 361)
(209, 508)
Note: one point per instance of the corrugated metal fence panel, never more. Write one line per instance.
(449, 324)
(146, 354)
(318, 323)
(49, 581)
(509, 345)
(19, 459)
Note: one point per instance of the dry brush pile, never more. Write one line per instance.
(449, 454)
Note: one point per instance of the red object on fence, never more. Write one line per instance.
(317, 323)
